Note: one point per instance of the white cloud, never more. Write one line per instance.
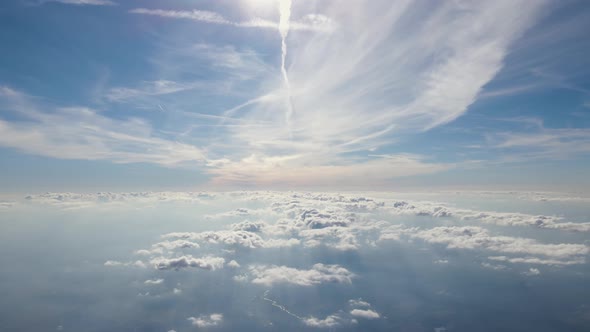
(153, 282)
(206, 263)
(402, 74)
(241, 278)
(241, 238)
(479, 238)
(197, 15)
(328, 322)
(204, 321)
(532, 272)
(319, 273)
(118, 263)
(343, 222)
(359, 303)
(310, 22)
(437, 210)
(248, 226)
(84, 133)
(538, 261)
(407, 68)
(153, 88)
(367, 313)
(173, 245)
(233, 264)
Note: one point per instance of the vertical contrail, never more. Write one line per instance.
(285, 15)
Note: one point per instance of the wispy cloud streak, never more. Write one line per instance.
(308, 23)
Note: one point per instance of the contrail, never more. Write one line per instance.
(275, 304)
(285, 15)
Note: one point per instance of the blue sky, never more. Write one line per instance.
(135, 95)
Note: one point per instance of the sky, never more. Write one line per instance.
(294, 165)
(263, 94)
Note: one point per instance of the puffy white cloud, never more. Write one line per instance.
(365, 313)
(239, 238)
(345, 222)
(532, 272)
(177, 263)
(319, 273)
(173, 245)
(431, 209)
(328, 322)
(281, 243)
(233, 264)
(240, 212)
(470, 237)
(206, 320)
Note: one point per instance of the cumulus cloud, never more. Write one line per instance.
(235, 238)
(178, 263)
(233, 264)
(318, 274)
(204, 321)
(328, 322)
(173, 245)
(365, 313)
(347, 222)
(532, 272)
(431, 209)
(469, 237)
